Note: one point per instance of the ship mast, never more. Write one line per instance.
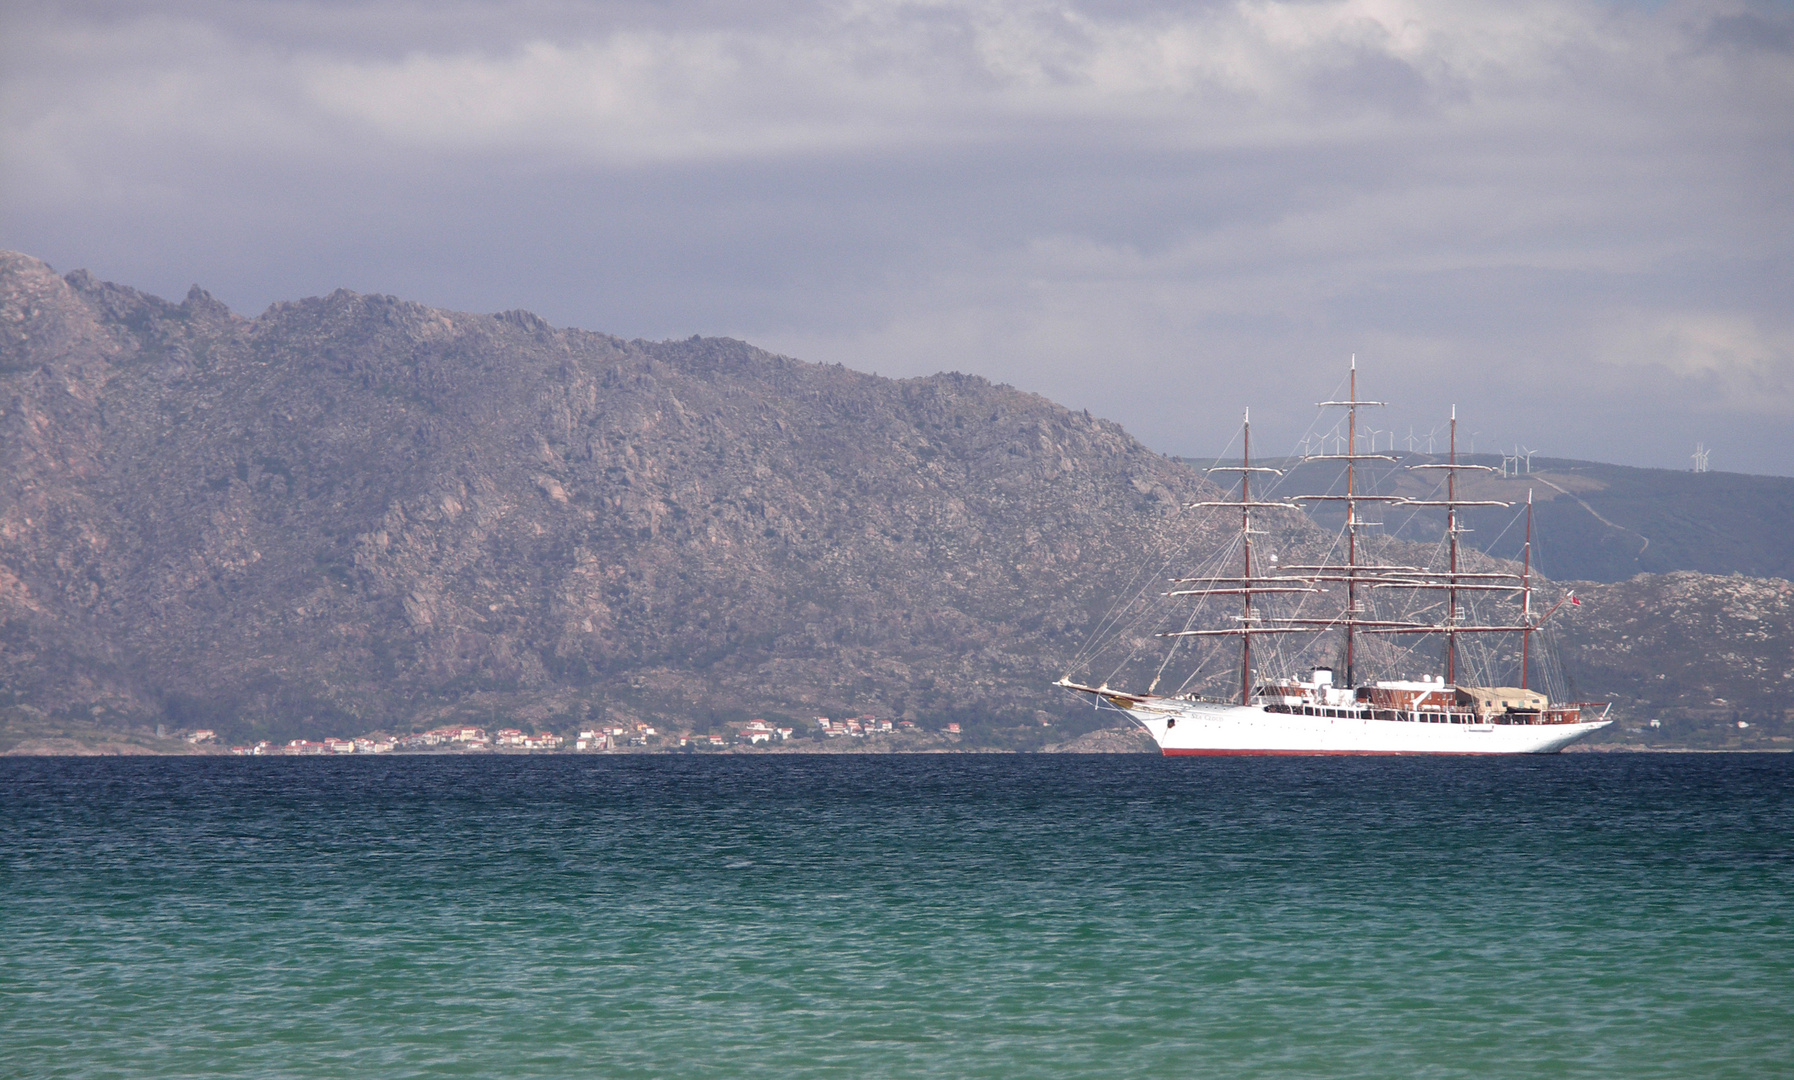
(1351, 615)
(1249, 583)
(1246, 551)
(1352, 618)
(1451, 586)
(1454, 580)
(1526, 595)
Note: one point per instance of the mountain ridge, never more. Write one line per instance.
(354, 512)
(361, 511)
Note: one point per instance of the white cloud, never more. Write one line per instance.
(1750, 366)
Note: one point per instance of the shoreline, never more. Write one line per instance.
(72, 748)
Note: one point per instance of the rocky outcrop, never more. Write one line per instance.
(353, 512)
(1696, 652)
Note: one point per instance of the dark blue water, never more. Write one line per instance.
(889, 916)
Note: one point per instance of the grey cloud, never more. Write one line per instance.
(1571, 219)
(1750, 30)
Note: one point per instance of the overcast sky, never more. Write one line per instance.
(1571, 219)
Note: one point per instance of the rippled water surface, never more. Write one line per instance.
(952, 916)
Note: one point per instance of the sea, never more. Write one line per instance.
(1014, 916)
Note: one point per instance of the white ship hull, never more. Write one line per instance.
(1283, 713)
(1207, 728)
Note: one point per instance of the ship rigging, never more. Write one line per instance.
(1314, 715)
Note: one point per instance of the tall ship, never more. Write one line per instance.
(1343, 607)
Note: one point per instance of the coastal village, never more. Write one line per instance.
(471, 739)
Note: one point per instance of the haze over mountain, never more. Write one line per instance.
(1592, 521)
(354, 512)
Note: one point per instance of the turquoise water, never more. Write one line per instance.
(976, 916)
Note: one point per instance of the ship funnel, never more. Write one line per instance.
(1323, 676)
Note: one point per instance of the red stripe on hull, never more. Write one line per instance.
(1336, 753)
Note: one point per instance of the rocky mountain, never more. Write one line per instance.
(353, 513)
(1697, 653)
